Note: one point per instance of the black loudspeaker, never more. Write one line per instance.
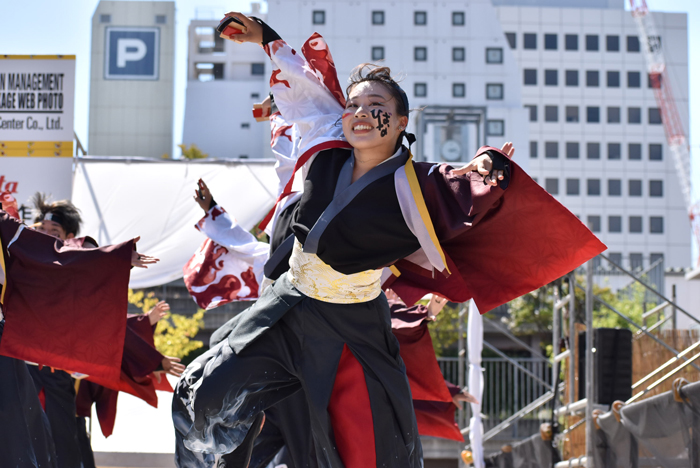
(613, 365)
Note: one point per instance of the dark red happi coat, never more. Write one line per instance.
(139, 361)
(64, 305)
(525, 240)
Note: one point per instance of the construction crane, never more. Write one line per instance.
(661, 84)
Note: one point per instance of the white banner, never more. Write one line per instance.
(475, 342)
(120, 200)
(23, 177)
(36, 98)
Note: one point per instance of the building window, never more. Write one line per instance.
(593, 114)
(161, 19)
(552, 186)
(613, 79)
(655, 257)
(634, 187)
(551, 113)
(592, 79)
(634, 151)
(494, 55)
(495, 127)
(457, 18)
(257, 68)
(550, 42)
(242, 156)
(594, 223)
(209, 42)
(635, 224)
(458, 54)
(551, 77)
(593, 187)
(614, 187)
(318, 17)
(634, 79)
(571, 77)
(636, 259)
(105, 18)
(532, 112)
(420, 18)
(533, 150)
(551, 149)
(209, 71)
(633, 44)
(420, 54)
(655, 152)
(613, 115)
(571, 42)
(378, 17)
(572, 186)
(593, 151)
(530, 41)
(591, 42)
(656, 188)
(255, 95)
(378, 53)
(459, 90)
(614, 151)
(612, 43)
(494, 91)
(615, 257)
(572, 114)
(572, 150)
(245, 125)
(634, 115)
(656, 225)
(530, 76)
(511, 38)
(654, 116)
(420, 89)
(615, 224)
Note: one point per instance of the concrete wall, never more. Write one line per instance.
(132, 117)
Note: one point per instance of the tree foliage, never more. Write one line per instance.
(192, 152)
(444, 331)
(174, 333)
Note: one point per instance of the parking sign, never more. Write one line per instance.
(131, 53)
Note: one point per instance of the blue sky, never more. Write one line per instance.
(26, 30)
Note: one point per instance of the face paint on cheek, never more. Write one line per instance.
(346, 114)
(382, 120)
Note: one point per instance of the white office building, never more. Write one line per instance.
(567, 85)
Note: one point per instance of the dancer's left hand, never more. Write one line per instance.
(482, 164)
(464, 396)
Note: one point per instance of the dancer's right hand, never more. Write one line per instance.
(254, 31)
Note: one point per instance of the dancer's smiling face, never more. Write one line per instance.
(370, 120)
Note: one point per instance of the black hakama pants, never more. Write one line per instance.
(25, 435)
(288, 343)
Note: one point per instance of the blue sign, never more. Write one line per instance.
(132, 53)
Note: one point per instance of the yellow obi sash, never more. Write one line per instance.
(319, 281)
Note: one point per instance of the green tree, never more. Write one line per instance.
(174, 333)
(193, 152)
(444, 331)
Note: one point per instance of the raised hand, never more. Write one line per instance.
(483, 165)
(254, 31)
(141, 261)
(435, 305)
(202, 195)
(158, 312)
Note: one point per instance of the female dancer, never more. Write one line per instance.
(362, 209)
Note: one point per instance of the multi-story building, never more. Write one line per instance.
(597, 142)
(568, 85)
(131, 79)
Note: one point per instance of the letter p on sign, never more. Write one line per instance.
(132, 53)
(130, 50)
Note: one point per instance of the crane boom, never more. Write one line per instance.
(673, 127)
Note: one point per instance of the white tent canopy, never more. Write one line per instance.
(123, 198)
